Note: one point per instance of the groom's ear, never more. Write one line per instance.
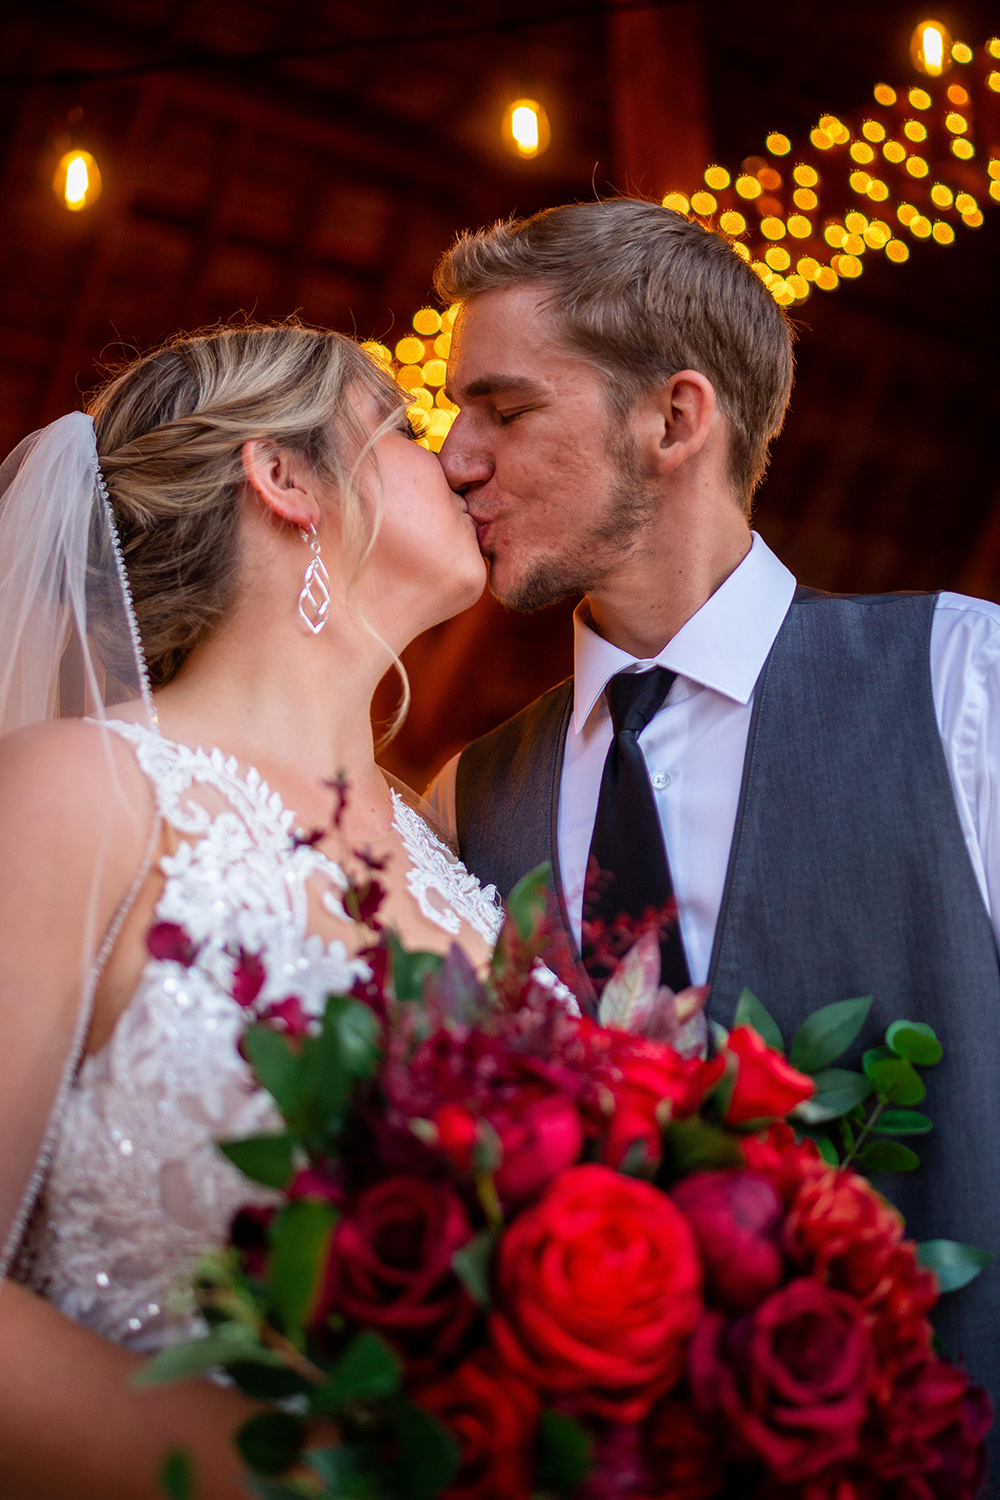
(685, 410)
(281, 481)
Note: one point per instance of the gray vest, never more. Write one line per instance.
(848, 875)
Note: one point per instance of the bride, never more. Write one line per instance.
(260, 540)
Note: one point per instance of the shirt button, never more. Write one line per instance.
(660, 779)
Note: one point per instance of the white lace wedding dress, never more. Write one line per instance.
(133, 1189)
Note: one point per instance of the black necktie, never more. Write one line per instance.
(629, 888)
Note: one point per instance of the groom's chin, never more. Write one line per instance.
(528, 589)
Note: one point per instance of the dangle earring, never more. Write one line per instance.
(314, 600)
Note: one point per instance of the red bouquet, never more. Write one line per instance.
(512, 1252)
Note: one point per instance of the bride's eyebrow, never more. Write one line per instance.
(500, 385)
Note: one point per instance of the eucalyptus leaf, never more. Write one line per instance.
(838, 1091)
(565, 1451)
(230, 1341)
(300, 1238)
(902, 1122)
(887, 1156)
(750, 1012)
(177, 1475)
(367, 1369)
(427, 1455)
(526, 902)
(827, 1033)
(271, 1443)
(953, 1264)
(262, 1158)
(471, 1265)
(898, 1081)
(916, 1041)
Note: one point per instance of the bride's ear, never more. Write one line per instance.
(280, 479)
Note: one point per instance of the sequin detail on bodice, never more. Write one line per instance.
(136, 1189)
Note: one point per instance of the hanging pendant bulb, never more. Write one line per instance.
(930, 48)
(77, 181)
(526, 128)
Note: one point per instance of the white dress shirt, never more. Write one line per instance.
(695, 745)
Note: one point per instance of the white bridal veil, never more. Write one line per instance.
(69, 648)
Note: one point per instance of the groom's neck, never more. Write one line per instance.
(672, 571)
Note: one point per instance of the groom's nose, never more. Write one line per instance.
(465, 462)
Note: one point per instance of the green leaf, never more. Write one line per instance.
(265, 1383)
(350, 1472)
(565, 1451)
(272, 1489)
(953, 1264)
(902, 1122)
(345, 1052)
(177, 1475)
(694, 1143)
(838, 1091)
(262, 1158)
(487, 1153)
(367, 1370)
(526, 902)
(897, 1081)
(471, 1265)
(300, 1239)
(887, 1156)
(827, 1033)
(427, 1455)
(875, 1055)
(827, 1150)
(271, 1443)
(230, 1341)
(750, 1012)
(277, 1065)
(409, 970)
(916, 1041)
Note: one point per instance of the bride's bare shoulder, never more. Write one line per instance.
(73, 778)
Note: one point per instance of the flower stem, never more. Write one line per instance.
(865, 1130)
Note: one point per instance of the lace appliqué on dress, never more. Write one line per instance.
(434, 869)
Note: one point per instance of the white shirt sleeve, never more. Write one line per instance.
(441, 796)
(965, 678)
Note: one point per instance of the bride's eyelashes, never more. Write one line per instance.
(414, 425)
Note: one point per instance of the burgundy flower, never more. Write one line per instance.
(249, 975)
(683, 1453)
(390, 1266)
(493, 1415)
(788, 1384)
(539, 1136)
(289, 1016)
(929, 1435)
(737, 1222)
(457, 1131)
(168, 940)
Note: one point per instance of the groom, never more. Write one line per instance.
(814, 778)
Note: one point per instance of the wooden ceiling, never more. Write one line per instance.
(327, 181)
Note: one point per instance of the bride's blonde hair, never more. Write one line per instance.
(170, 427)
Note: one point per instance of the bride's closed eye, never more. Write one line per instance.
(414, 424)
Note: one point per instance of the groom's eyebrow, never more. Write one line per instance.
(497, 385)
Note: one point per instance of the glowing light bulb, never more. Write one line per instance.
(77, 181)
(930, 48)
(526, 127)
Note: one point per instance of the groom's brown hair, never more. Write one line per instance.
(644, 292)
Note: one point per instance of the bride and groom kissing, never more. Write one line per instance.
(252, 541)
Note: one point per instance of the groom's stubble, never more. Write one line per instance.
(589, 556)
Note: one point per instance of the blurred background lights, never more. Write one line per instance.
(930, 48)
(77, 181)
(526, 127)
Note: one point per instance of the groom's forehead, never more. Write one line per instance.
(506, 341)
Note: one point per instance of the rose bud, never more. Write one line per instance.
(540, 1137)
(456, 1134)
(493, 1417)
(766, 1085)
(737, 1222)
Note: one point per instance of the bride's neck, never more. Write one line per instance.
(264, 690)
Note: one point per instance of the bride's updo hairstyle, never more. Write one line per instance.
(170, 427)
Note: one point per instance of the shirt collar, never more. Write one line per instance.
(723, 646)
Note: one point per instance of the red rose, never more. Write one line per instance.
(737, 1222)
(390, 1266)
(456, 1134)
(788, 1383)
(168, 940)
(642, 1077)
(540, 1137)
(598, 1290)
(683, 1453)
(785, 1162)
(493, 1416)
(766, 1084)
(930, 1436)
